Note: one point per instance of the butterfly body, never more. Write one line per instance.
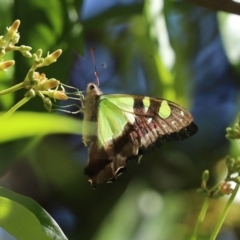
(119, 127)
(90, 113)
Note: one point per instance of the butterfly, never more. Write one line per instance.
(120, 127)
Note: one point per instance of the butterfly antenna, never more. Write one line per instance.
(95, 67)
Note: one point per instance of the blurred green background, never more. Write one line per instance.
(168, 49)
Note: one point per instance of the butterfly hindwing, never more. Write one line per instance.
(129, 126)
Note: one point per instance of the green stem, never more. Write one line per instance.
(14, 108)
(224, 214)
(201, 217)
(12, 89)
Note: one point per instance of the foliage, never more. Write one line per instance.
(14, 205)
(34, 223)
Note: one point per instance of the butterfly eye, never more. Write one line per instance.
(91, 87)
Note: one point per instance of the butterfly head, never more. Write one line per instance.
(93, 89)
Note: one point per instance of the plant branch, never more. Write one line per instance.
(14, 108)
(12, 89)
(224, 214)
(200, 219)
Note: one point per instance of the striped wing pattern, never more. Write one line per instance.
(129, 126)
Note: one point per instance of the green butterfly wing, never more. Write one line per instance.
(114, 112)
(129, 126)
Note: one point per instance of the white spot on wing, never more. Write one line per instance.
(174, 124)
(182, 113)
(149, 120)
(130, 117)
(146, 103)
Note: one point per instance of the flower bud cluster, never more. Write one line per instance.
(233, 133)
(224, 187)
(37, 84)
(7, 44)
(44, 87)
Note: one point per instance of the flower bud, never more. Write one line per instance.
(51, 58)
(25, 51)
(6, 64)
(205, 176)
(30, 94)
(232, 133)
(59, 95)
(47, 104)
(27, 54)
(230, 162)
(12, 30)
(39, 53)
(48, 84)
(51, 83)
(24, 48)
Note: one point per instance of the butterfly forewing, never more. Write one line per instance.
(111, 120)
(129, 126)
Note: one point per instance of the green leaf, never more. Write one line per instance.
(31, 124)
(25, 219)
